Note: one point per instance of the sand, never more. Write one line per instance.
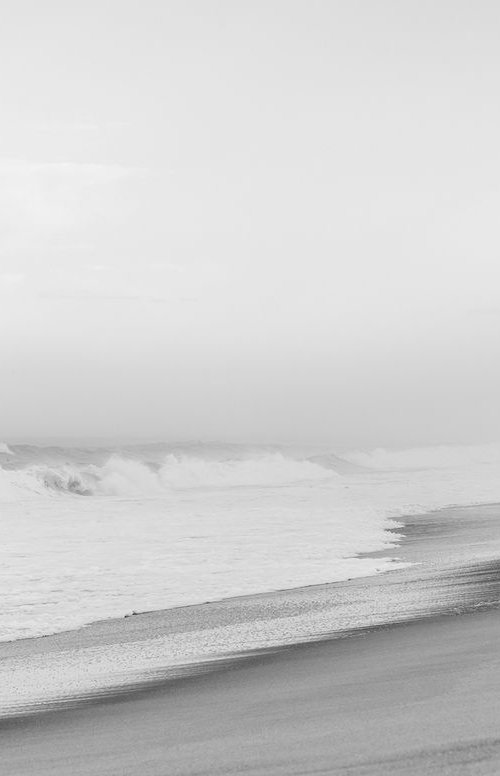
(420, 698)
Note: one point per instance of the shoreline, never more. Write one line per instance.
(400, 531)
(408, 525)
(265, 622)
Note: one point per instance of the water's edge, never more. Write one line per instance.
(175, 644)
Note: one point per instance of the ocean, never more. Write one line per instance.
(90, 533)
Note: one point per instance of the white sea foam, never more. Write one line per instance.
(93, 533)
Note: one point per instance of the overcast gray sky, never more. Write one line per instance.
(269, 220)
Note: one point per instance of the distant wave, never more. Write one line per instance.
(438, 457)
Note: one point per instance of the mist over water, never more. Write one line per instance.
(255, 222)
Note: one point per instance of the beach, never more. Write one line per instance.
(249, 398)
(416, 693)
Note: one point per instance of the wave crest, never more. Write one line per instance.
(126, 477)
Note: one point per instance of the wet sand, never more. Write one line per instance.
(418, 697)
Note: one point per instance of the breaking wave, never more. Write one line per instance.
(125, 476)
(154, 469)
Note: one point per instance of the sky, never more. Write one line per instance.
(264, 221)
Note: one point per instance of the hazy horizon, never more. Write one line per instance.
(263, 222)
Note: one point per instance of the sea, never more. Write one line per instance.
(90, 532)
